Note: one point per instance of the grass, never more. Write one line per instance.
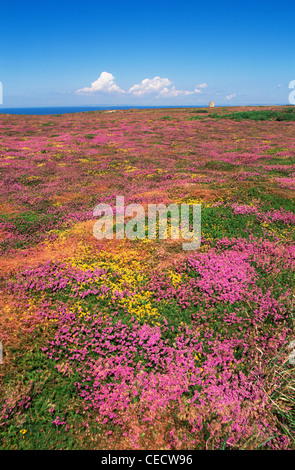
(287, 115)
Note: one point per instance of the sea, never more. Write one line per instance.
(80, 109)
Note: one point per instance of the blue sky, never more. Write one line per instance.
(158, 53)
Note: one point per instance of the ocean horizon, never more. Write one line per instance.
(48, 110)
(79, 109)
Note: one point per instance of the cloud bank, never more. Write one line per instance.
(161, 87)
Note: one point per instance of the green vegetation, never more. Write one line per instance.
(285, 114)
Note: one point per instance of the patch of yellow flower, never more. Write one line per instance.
(175, 278)
(139, 305)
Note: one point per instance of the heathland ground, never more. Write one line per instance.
(121, 344)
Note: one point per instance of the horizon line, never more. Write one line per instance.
(145, 106)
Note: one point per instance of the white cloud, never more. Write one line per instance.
(173, 92)
(149, 85)
(157, 85)
(163, 87)
(230, 97)
(104, 83)
(202, 85)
